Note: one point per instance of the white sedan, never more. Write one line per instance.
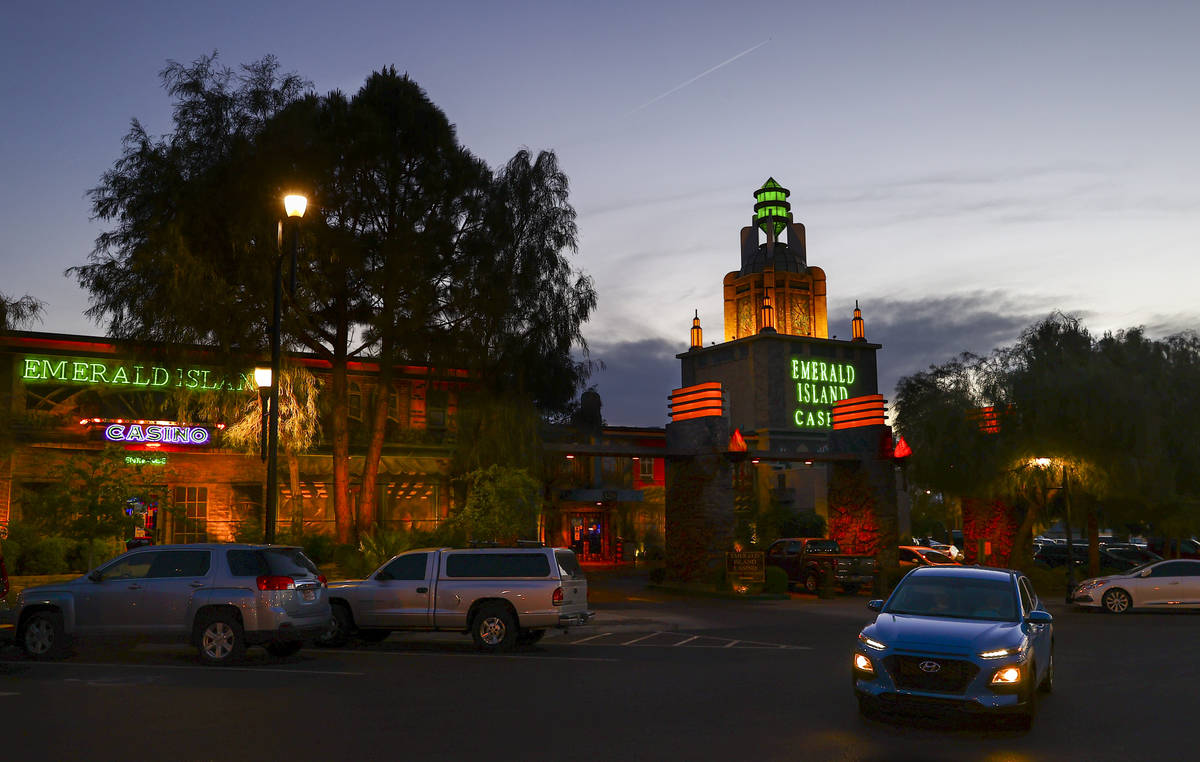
(1171, 584)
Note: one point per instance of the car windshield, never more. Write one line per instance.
(956, 598)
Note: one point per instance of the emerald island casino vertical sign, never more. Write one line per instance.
(818, 385)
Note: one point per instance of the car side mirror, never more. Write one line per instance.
(95, 576)
(875, 605)
(1039, 617)
(383, 576)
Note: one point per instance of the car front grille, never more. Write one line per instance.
(951, 675)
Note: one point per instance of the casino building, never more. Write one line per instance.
(768, 415)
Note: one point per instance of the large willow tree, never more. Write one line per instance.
(1106, 422)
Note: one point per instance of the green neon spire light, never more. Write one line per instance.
(771, 206)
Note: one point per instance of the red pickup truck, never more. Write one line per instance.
(807, 559)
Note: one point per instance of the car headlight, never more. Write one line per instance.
(999, 653)
(1007, 676)
(871, 642)
(863, 664)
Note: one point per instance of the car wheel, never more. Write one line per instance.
(1047, 684)
(373, 636)
(1116, 601)
(529, 637)
(221, 639)
(283, 648)
(43, 637)
(339, 629)
(494, 628)
(811, 581)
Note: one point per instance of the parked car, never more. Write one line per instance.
(1054, 556)
(944, 548)
(912, 556)
(956, 638)
(502, 596)
(806, 560)
(6, 626)
(1175, 548)
(220, 598)
(1170, 584)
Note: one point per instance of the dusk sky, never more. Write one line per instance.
(962, 169)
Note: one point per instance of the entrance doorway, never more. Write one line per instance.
(589, 536)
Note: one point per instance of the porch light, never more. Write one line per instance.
(262, 378)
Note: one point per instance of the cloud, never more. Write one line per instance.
(636, 379)
(918, 333)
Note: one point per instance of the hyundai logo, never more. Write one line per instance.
(930, 666)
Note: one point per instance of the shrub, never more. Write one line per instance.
(47, 556)
(657, 575)
(775, 580)
(318, 547)
(81, 560)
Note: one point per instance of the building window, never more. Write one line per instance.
(436, 403)
(355, 401)
(646, 469)
(191, 523)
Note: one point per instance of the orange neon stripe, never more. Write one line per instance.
(697, 406)
(696, 388)
(698, 398)
(697, 414)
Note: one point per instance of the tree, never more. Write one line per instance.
(413, 251)
(502, 505)
(87, 497)
(19, 312)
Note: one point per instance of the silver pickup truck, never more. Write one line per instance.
(502, 596)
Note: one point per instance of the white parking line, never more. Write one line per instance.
(591, 637)
(635, 640)
(461, 655)
(211, 670)
(9, 693)
(689, 640)
(731, 644)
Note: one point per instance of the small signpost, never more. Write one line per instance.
(743, 569)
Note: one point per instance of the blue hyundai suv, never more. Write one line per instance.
(956, 638)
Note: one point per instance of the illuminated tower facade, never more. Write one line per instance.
(775, 289)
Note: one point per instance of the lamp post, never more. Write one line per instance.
(262, 379)
(294, 205)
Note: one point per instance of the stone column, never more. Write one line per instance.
(699, 499)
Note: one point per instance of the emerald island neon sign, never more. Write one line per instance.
(819, 384)
(92, 372)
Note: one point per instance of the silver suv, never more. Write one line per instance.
(221, 598)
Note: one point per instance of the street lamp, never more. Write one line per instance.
(262, 379)
(294, 206)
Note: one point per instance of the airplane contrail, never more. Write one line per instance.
(705, 73)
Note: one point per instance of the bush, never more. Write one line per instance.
(79, 559)
(658, 575)
(318, 547)
(775, 580)
(47, 556)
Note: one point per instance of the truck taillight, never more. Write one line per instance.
(558, 597)
(272, 582)
(321, 579)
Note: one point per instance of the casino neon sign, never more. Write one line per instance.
(819, 384)
(137, 433)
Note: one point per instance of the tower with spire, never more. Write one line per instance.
(775, 290)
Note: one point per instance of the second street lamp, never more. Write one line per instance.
(294, 205)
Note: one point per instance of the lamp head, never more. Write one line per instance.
(295, 205)
(262, 377)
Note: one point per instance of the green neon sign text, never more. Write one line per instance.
(819, 384)
(93, 372)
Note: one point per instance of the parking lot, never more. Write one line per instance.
(655, 677)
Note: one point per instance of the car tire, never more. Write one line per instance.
(220, 639)
(1117, 601)
(42, 636)
(340, 627)
(373, 636)
(283, 648)
(529, 637)
(1047, 683)
(811, 582)
(494, 628)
